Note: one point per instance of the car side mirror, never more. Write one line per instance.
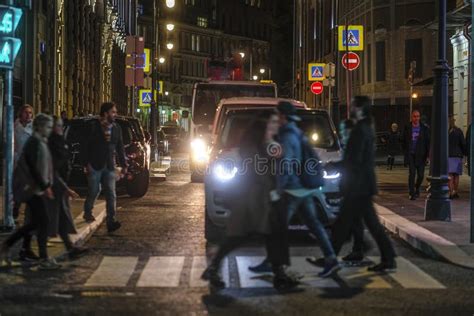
(147, 136)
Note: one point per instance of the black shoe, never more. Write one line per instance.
(264, 267)
(412, 197)
(319, 262)
(89, 218)
(330, 269)
(211, 274)
(383, 267)
(113, 226)
(455, 196)
(28, 255)
(354, 257)
(284, 282)
(417, 194)
(77, 252)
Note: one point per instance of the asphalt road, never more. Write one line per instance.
(152, 265)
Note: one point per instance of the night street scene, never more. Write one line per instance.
(236, 157)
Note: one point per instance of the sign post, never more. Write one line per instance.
(9, 48)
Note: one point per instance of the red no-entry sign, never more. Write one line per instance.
(317, 87)
(351, 61)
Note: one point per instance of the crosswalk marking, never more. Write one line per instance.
(161, 272)
(198, 266)
(410, 276)
(113, 272)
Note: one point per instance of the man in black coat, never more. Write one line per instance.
(104, 147)
(416, 147)
(359, 186)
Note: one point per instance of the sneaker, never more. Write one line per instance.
(284, 282)
(354, 257)
(48, 264)
(330, 269)
(319, 262)
(89, 218)
(412, 197)
(28, 255)
(264, 267)
(77, 252)
(383, 267)
(211, 275)
(113, 226)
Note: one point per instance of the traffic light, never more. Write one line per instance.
(9, 44)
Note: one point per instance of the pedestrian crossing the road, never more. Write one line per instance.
(181, 271)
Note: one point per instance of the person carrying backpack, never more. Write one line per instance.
(298, 177)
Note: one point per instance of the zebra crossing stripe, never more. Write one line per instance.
(161, 272)
(113, 272)
(410, 276)
(198, 266)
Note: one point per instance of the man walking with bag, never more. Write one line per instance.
(104, 148)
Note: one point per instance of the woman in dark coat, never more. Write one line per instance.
(60, 218)
(252, 207)
(457, 149)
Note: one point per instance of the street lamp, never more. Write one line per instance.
(438, 205)
(170, 46)
(170, 3)
(414, 95)
(242, 54)
(262, 70)
(170, 27)
(162, 60)
(255, 77)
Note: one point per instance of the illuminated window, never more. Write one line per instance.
(202, 22)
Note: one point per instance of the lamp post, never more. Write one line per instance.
(438, 205)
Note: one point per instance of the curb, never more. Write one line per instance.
(422, 239)
(86, 230)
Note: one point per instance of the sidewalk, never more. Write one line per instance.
(443, 240)
(84, 230)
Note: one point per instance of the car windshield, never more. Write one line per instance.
(174, 131)
(315, 125)
(317, 128)
(209, 95)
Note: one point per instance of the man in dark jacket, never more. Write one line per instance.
(104, 147)
(416, 147)
(359, 186)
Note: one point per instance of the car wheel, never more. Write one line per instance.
(197, 177)
(212, 232)
(138, 187)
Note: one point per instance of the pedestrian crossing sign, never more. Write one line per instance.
(145, 97)
(316, 72)
(351, 37)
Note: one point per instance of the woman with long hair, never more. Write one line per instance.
(253, 211)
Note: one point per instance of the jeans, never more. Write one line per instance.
(38, 221)
(308, 211)
(415, 170)
(98, 179)
(354, 209)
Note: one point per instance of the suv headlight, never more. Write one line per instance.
(224, 173)
(199, 150)
(331, 175)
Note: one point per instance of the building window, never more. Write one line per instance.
(193, 42)
(198, 43)
(202, 22)
(380, 70)
(414, 52)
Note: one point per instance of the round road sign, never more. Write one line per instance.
(317, 87)
(350, 61)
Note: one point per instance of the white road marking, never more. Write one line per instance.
(410, 276)
(161, 272)
(199, 264)
(113, 272)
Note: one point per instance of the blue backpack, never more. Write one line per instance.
(311, 175)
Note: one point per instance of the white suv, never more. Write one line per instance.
(316, 125)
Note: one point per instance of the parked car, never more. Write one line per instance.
(318, 128)
(137, 150)
(174, 135)
(163, 144)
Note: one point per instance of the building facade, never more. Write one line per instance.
(396, 36)
(208, 36)
(72, 57)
